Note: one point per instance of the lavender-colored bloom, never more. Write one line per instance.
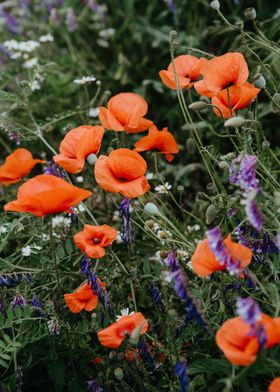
(36, 303)
(181, 373)
(71, 21)
(54, 17)
(158, 297)
(171, 5)
(243, 173)
(124, 210)
(85, 265)
(54, 170)
(94, 386)
(14, 136)
(252, 211)
(11, 22)
(180, 284)
(171, 261)
(277, 241)
(231, 213)
(93, 5)
(25, 4)
(18, 300)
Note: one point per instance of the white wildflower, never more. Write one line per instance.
(150, 176)
(61, 221)
(124, 312)
(26, 251)
(80, 179)
(31, 63)
(81, 207)
(107, 33)
(16, 55)
(35, 85)
(119, 239)
(163, 188)
(46, 38)
(93, 112)
(85, 79)
(53, 327)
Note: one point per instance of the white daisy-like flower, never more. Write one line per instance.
(35, 85)
(16, 55)
(85, 79)
(150, 175)
(93, 112)
(3, 229)
(26, 251)
(163, 188)
(61, 221)
(46, 38)
(31, 63)
(107, 33)
(124, 312)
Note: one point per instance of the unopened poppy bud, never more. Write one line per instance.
(237, 121)
(191, 146)
(239, 24)
(118, 373)
(204, 99)
(215, 5)
(173, 34)
(265, 144)
(91, 159)
(135, 335)
(259, 81)
(250, 13)
(151, 208)
(199, 105)
(211, 214)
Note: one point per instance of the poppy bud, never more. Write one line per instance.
(237, 121)
(250, 13)
(135, 335)
(118, 373)
(191, 146)
(199, 105)
(239, 24)
(259, 81)
(211, 214)
(91, 159)
(215, 5)
(173, 35)
(151, 209)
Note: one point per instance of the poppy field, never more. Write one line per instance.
(139, 195)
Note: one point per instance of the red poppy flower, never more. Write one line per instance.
(234, 339)
(125, 112)
(222, 72)
(187, 69)
(234, 98)
(204, 262)
(122, 172)
(275, 385)
(93, 239)
(97, 361)
(82, 299)
(113, 335)
(161, 141)
(77, 145)
(46, 194)
(17, 165)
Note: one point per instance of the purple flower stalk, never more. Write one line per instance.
(146, 355)
(94, 386)
(181, 373)
(11, 22)
(54, 170)
(18, 300)
(252, 211)
(36, 303)
(171, 5)
(124, 210)
(71, 21)
(171, 261)
(158, 297)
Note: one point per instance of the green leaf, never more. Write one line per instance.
(60, 251)
(6, 357)
(69, 247)
(56, 370)
(18, 311)
(4, 364)
(10, 314)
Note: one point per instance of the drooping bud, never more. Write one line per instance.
(151, 209)
(259, 81)
(215, 5)
(210, 214)
(250, 13)
(118, 373)
(236, 121)
(135, 335)
(91, 159)
(198, 106)
(191, 146)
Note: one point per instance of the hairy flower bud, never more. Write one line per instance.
(211, 214)
(259, 81)
(173, 35)
(250, 13)
(151, 209)
(91, 159)
(215, 5)
(237, 121)
(199, 105)
(191, 146)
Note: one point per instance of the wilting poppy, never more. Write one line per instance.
(234, 98)
(125, 112)
(275, 385)
(17, 165)
(239, 346)
(113, 335)
(187, 69)
(205, 263)
(161, 141)
(93, 239)
(82, 299)
(77, 145)
(46, 194)
(123, 171)
(222, 72)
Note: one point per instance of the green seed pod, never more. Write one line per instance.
(198, 106)
(236, 121)
(215, 5)
(118, 373)
(151, 209)
(210, 214)
(259, 81)
(191, 146)
(250, 13)
(91, 159)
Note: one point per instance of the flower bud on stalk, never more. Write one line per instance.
(237, 121)
(198, 106)
(250, 13)
(215, 5)
(259, 81)
(191, 146)
(210, 214)
(91, 159)
(151, 209)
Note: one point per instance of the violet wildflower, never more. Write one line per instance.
(124, 210)
(36, 303)
(158, 298)
(54, 170)
(181, 373)
(171, 5)
(94, 386)
(146, 355)
(70, 20)
(93, 5)
(14, 136)
(10, 21)
(18, 300)
(171, 261)
(252, 211)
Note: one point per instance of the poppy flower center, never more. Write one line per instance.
(96, 240)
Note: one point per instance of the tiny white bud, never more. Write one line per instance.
(151, 209)
(215, 5)
(237, 121)
(91, 159)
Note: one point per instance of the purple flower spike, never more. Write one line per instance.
(11, 22)
(18, 300)
(171, 261)
(181, 373)
(252, 211)
(71, 21)
(124, 210)
(54, 170)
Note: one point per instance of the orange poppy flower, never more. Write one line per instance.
(234, 98)
(204, 262)
(77, 145)
(17, 165)
(275, 385)
(161, 141)
(46, 194)
(82, 299)
(113, 335)
(240, 348)
(125, 112)
(92, 240)
(222, 72)
(122, 172)
(187, 69)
